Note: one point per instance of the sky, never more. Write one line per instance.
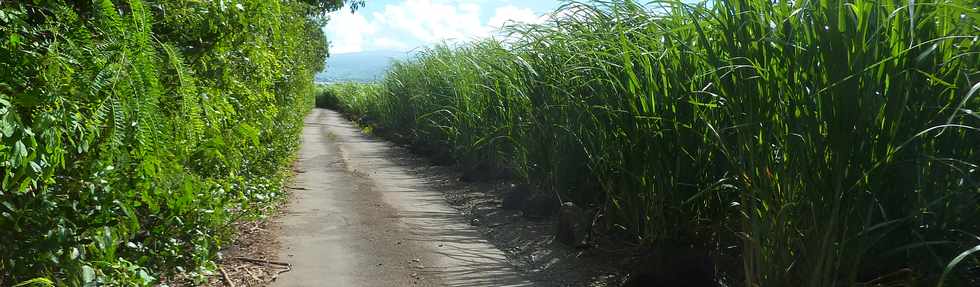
(403, 25)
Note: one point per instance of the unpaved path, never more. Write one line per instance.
(357, 218)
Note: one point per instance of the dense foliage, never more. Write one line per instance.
(818, 143)
(135, 131)
(355, 97)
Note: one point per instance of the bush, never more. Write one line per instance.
(326, 97)
(135, 131)
(356, 99)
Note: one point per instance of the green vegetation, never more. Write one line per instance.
(360, 98)
(818, 143)
(136, 131)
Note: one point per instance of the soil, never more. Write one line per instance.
(248, 261)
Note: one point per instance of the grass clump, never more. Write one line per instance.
(819, 143)
(356, 98)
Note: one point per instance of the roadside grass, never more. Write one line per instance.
(821, 143)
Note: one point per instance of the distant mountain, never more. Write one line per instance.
(359, 67)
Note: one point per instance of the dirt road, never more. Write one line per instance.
(357, 218)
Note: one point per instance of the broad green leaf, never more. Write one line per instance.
(88, 274)
(9, 206)
(20, 151)
(6, 127)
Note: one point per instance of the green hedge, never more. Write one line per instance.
(135, 131)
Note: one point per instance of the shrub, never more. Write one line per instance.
(135, 131)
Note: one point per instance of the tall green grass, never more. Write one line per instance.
(822, 143)
(349, 96)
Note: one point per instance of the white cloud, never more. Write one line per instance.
(432, 22)
(386, 43)
(346, 32)
(510, 14)
(411, 23)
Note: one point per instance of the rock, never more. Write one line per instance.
(441, 157)
(677, 266)
(366, 120)
(573, 225)
(517, 197)
(436, 154)
(485, 171)
(540, 205)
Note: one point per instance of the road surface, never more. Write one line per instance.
(357, 218)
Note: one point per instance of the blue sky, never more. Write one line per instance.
(402, 25)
